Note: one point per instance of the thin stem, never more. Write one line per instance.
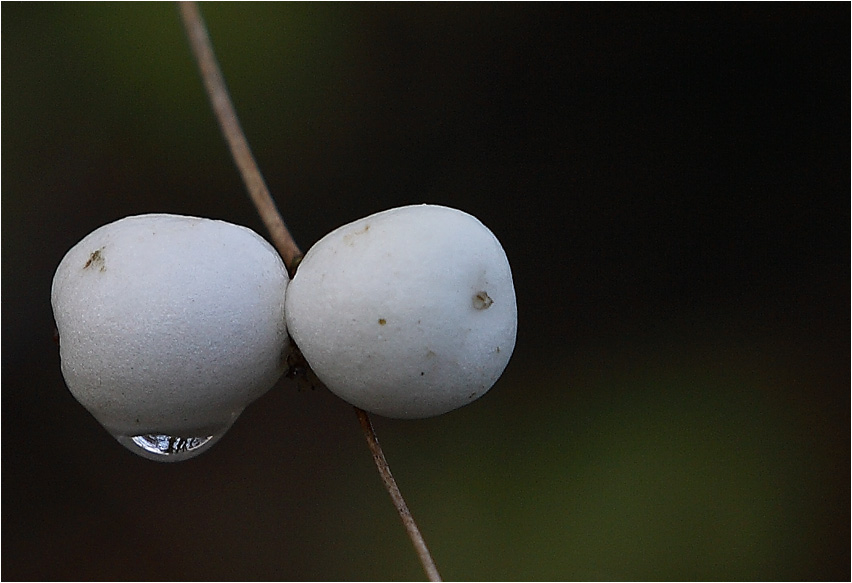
(396, 496)
(214, 83)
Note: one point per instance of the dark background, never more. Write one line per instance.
(670, 183)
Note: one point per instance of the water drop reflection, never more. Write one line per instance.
(169, 444)
(168, 448)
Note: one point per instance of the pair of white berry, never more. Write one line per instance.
(169, 325)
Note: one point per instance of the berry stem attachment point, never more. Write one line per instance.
(220, 99)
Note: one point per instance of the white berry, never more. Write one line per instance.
(169, 326)
(407, 313)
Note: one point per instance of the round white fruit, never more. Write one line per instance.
(407, 313)
(170, 325)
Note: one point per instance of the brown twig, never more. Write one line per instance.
(214, 82)
(396, 497)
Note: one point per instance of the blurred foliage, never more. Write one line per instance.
(670, 184)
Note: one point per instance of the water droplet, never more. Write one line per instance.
(169, 448)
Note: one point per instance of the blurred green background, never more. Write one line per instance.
(671, 185)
